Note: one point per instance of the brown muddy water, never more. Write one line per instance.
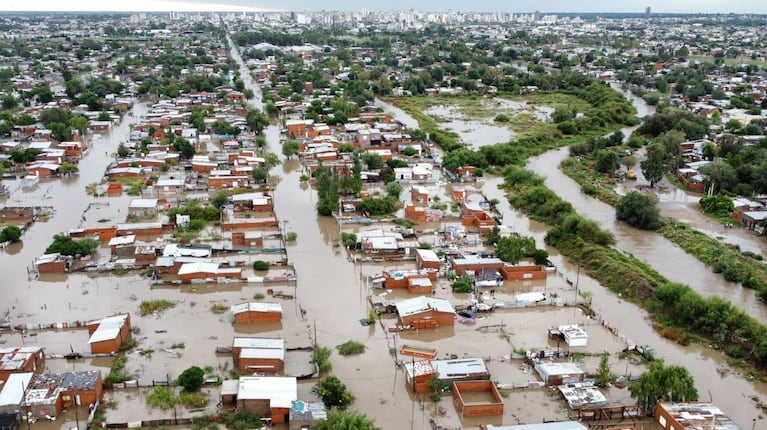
(330, 299)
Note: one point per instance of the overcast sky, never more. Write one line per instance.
(683, 6)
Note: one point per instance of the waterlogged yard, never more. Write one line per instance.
(481, 121)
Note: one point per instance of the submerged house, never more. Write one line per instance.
(425, 312)
(268, 396)
(108, 334)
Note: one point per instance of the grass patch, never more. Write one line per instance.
(149, 307)
(193, 400)
(117, 373)
(131, 186)
(350, 347)
(218, 308)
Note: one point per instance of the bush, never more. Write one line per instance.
(291, 236)
(10, 234)
(321, 358)
(260, 265)
(502, 118)
(375, 206)
(350, 347)
(638, 210)
(162, 398)
(192, 378)
(65, 245)
(332, 392)
(193, 400)
(462, 286)
(148, 307)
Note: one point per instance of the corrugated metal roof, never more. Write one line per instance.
(13, 389)
(256, 307)
(258, 342)
(109, 328)
(420, 304)
(280, 391)
(265, 353)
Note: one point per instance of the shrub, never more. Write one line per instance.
(350, 347)
(218, 308)
(321, 358)
(502, 118)
(10, 234)
(462, 286)
(154, 306)
(192, 378)
(332, 392)
(638, 210)
(193, 400)
(162, 398)
(260, 265)
(349, 240)
(291, 236)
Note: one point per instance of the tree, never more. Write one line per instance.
(607, 161)
(720, 175)
(332, 392)
(290, 148)
(68, 168)
(638, 210)
(628, 161)
(672, 141)
(655, 165)
(122, 150)
(394, 189)
(220, 199)
(661, 383)
(372, 160)
(65, 245)
(603, 371)
(10, 234)
(514, 248)
(345, 420)
(271, 160)
(9, 101)
(191, 379)
(256, 120)
(259, 174)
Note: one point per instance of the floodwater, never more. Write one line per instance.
(474, 133)
(329, 300)
(715, 381)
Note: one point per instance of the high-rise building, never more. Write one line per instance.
(647, 12)
(536, 16)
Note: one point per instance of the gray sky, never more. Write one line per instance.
(683, 6)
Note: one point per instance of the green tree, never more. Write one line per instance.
(672, 141)
(332, 392)
(720, 175)
(65, 245)
(68, 168)
(514, 248)
(656, 163)
(9, 102)
(290, 148)
(661, 383)
(52, 115)
(638, 210)
(394, 189)
(192, 378)
(256, 120)
(321, 358)
(603, 371)
(372, 160)
(345, 420)
(220, 199)
(270, 161)
(10, 234)
(122, 150)
(259, 174)
(607, 161)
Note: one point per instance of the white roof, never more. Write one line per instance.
(122, 240)
(459, 368)
(258, 342)
(756, 215)
(188, 268)
(280, 391)
(427, 255)
(247, 196)
(108, 328)
(268, 353)
(143, 203)
(381, 242)
(420, 282)
(421, 304)
(256, 307)
(13, 389)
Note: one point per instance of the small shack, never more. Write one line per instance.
(256, 312)
(267, 396)
(425, 312)
(11, 397)
(582, 395)
(303, 415)
(23, 359)
(258, 355)
(559, 373)
(108, 334)
(418, 374)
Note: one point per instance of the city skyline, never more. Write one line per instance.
(524, 6)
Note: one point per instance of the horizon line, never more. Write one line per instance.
(255, 10)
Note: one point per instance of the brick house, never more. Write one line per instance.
(108, 334)
(256, 312)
